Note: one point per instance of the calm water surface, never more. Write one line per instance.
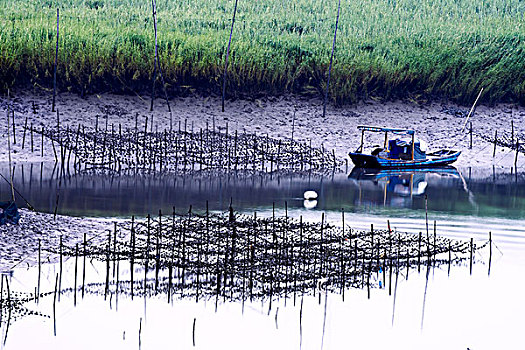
(426, 311)
(450, 192)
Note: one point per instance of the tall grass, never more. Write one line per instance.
(388, 48)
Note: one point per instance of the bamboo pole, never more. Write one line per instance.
(331, 59)
(14, 127)
(55, 65)
(490, 251)
(54, 307)
(227, 56)
(76, 273)
(156, 65)
(471, 253)
(39, 269)
(60, 270)
(516, 157)
(471, 110)
(495, 142)
(470, 132)
(84, 253)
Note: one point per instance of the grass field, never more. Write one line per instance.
(386, 48)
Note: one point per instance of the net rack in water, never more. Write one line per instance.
(237, 256)
(172, 150)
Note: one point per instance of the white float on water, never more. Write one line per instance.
(310, 195)
(310, 204)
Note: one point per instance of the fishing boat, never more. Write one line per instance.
(404, 151)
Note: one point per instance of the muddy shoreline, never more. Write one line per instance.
(439, 123)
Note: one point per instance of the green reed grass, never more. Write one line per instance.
(386, 48)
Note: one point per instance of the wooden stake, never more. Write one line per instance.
(55, 65)
(419, 253)
(76, 272)
(156, 65)
(490, 251)
(132, 254)
(84, 251)
(331, 59)
(471, 253)
(14, 127)
(495, 142)
(54, 307)
(42, 145)
(470, 132)
(60, 270)
(193, 332)
(516, 157)
(227, 56)
(39, 268)
(471, 110)
(108, 254)
(31, 137)
(449, 255)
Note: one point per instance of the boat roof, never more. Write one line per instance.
(380, 129)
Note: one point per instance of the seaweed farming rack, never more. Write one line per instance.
(174, 151)
(234, 257)
(239, 257)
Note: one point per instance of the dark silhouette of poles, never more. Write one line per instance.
(331, 59)
(56, 60)
(227, 56)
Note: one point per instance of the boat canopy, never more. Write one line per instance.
(379, 129)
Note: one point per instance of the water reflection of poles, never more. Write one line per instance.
(9, 308)
(425, 297)
(384, 192)
(395, 285)
(411, 187)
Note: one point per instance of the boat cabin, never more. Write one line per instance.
(401, 149)
(398, 148)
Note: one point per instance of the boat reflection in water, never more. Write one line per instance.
(397, 187)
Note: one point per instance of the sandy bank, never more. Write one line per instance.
(439, 123)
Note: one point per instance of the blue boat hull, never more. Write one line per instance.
(369, 161)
